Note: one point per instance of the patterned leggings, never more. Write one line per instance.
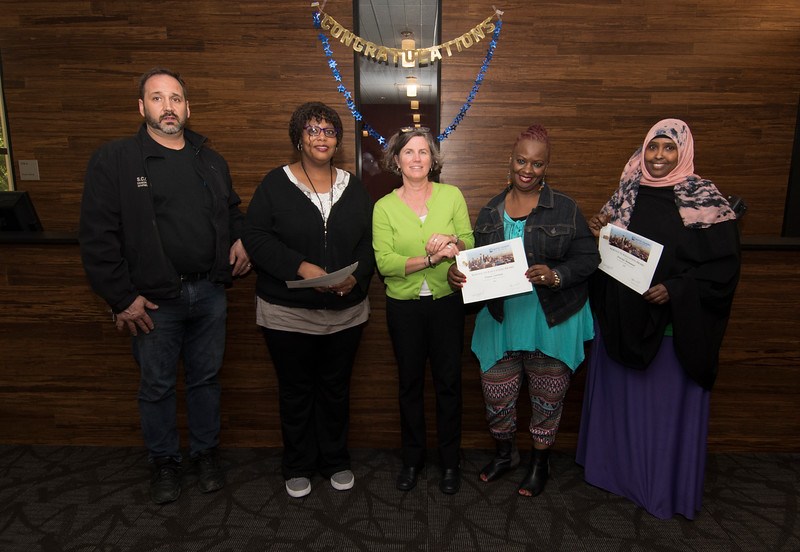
(548, 381)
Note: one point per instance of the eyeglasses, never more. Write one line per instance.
(314, 130)
(412, 129)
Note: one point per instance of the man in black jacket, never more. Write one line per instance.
(159, 234)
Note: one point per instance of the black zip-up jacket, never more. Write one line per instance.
(120, 245)
(556, 235)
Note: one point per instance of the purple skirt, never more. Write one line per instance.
(643, 432)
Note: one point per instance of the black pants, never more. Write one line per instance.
(314, 393)
(423, 329)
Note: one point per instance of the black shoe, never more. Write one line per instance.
(505, 459)
(407, 478)
(538, 473)
(209, 474)
(165, 484)
(451, 481)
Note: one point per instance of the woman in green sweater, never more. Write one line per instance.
(417, 230)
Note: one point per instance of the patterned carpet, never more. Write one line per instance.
(95, 499)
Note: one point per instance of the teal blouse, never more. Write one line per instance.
(524, 326)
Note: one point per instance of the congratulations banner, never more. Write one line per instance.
(323, 21)
(422, 56)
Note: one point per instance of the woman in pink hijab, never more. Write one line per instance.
(655, 355)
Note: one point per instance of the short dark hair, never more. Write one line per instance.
(398, 141)
(160, 71)
(536, 133)
(313, 111)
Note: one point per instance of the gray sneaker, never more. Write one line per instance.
(298, 486)
(343, 480)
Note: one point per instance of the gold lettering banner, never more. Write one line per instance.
(421, 56)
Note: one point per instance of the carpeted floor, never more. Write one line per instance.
(96, 499)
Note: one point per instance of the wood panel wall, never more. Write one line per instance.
(598, 75)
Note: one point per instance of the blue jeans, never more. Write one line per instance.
(191, 326)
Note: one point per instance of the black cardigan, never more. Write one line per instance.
(284, 229)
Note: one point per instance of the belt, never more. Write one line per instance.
(194, 276)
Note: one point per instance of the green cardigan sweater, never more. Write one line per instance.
(398, 234)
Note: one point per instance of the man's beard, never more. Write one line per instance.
(174, 128)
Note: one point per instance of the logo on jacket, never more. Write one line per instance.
(141, 182)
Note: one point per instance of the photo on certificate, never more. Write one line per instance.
(494, 270)
(628, 257)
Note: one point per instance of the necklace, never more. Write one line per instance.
(319, 199)
(419, 207)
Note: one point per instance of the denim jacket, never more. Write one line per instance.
(556, 234)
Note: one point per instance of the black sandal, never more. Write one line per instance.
(538, 473)
(506, 459)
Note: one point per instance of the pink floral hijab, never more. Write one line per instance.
(699, 202)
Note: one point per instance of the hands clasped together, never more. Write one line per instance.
(441, 246)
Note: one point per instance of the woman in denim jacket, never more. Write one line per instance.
(539, 334)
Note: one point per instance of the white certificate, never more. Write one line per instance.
(324, 281)
(628, 257)
(495, 270)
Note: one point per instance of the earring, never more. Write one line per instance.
(299, 146)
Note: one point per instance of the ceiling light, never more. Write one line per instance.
(415, 117)
(414, 104)
(411, 87)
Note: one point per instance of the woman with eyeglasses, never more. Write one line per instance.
(306, 220)
(417, 230)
